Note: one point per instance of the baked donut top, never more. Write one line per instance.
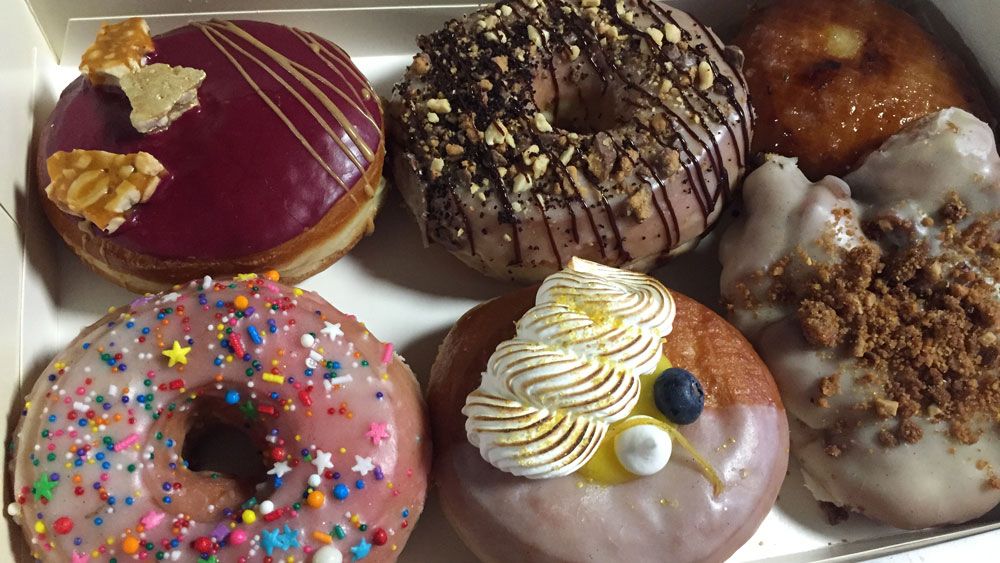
(530, 104)
(285, 127)
(318, 428)
(889, 277)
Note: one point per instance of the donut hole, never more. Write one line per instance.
(584, 106)
(217, 442)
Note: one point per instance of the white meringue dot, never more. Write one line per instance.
(643, 449)
(327, 554)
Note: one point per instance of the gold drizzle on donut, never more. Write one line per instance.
(216, 32)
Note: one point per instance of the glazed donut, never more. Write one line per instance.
(564, 507)
(873, 300)
(319, 433)
(276, 163)
(530, 132)
(831, 81)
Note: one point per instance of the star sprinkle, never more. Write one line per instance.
(249, 410)
(290, 538)
(43, 487)
(331, 330)
(270, 540)
(361, 550)
(177, 354)
(378, 431)
(322, 461)
(279, 469)
(363, 465)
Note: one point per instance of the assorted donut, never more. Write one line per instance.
(530, 132)
(217, 148)
(319, 433)
(594, 415)
(601, 395)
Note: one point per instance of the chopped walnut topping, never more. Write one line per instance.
(117, 51)
(439, 105)
(656, 35)
(542, 123)
(101, 186)
(706, 76)
(160, 94)
(641, 204)
(671, 33)
(421, 64)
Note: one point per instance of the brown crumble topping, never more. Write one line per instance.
(622, 140)
(923, 324)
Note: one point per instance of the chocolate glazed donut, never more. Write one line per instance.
(528, 133)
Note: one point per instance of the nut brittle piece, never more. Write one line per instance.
(117, 51)
(102, 186)
(160, 94)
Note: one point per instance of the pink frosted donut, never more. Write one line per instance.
(230, 420)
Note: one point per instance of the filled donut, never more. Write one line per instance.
(530, 132)
(615, 421)
(219, 147)
(831, 81)
(231, 420)
(874, 302)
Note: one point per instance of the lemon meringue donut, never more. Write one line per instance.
(874, 301)
(553, 416)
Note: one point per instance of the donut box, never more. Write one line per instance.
(407, 294)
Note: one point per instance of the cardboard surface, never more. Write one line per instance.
(412, 295)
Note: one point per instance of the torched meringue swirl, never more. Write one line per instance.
(573, 368)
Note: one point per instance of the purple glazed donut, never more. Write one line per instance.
(279, 166)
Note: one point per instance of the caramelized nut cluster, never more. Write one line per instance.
(118, 50)
(101, 186)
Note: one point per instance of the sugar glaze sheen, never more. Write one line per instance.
(528, 133)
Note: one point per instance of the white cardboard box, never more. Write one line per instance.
(411, 295)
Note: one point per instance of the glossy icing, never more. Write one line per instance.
(286, 126)
(335, 415)
(497, 221)
(936, 480)
(677, 511)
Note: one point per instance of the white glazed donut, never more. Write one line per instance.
(873, 301)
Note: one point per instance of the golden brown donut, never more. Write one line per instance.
(832, 80)
(507, 518)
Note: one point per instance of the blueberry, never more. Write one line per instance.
(679, 395)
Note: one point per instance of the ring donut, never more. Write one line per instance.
(318, 429)
(528, 133)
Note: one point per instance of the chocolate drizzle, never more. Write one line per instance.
(657, 110)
